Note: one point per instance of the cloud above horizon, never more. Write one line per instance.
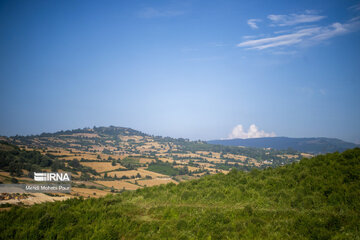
(253, 132)
(293, 19)
(252, 23)
(302, 34)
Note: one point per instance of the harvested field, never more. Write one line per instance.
(36, 198)
(154, 182)
(307, 155)
(85, 192)
(5, 176)
(164, 159)
(238, 157)
(216, 160)
(102, 166)
(119, 184)
(146, 160)
(144, 172)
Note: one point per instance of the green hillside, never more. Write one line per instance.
(317, 198)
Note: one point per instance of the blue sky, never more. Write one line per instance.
(193, 69)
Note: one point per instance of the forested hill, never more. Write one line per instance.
(317, 198)
(308, 145)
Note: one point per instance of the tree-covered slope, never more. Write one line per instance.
(317, 198)
(308, 145)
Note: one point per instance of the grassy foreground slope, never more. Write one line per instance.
(317, 198)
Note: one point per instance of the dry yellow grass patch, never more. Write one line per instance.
(101, 166)
(154, 182)
(36, 198)
(119, 184)
(200, 174)
(135, 138)
(6, 175)
(233, 163)
(210, 169)
(238, 157)
(216, 155)
(146, 160)
(307, 155)
(215, 160)
(224, 171)
(85, 192)
(144, 172)
(151, 146)
(164, 159)
(191, 168)
(87, 156)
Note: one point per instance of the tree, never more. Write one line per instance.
(14, 180)
(75, 163)
(55, 166)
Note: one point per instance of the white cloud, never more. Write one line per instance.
(253, 132)
(154, 13)
(308, 35)
(281, 40)
(336, 29)
(355, 7)
(293, 19)
(252, 23)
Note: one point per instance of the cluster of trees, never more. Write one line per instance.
(131, 163)
(115, 177)
(14, 160)
(316, 198)
(167, 168)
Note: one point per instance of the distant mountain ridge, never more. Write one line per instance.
(309, 145)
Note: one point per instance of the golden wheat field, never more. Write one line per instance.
(119, 184)
(154, 182)
(102, 166)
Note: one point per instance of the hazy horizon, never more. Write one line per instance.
(191, 69)
(151, 134)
